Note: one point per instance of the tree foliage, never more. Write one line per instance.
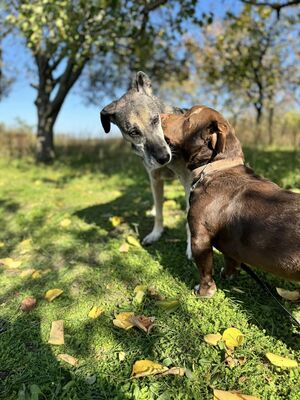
(66, 35)
(250, 56)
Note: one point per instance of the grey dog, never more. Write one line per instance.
(137, 115)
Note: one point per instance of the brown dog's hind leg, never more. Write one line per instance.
(231, 269)
(203, 256)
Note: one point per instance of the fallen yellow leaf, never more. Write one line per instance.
(139, 292)
(233, 337)
(122, 320)
(145, 368)
(223, 395)
(292, 295)
(133, 241)
(95, 312)
(10, 263)
(122, 356)
(36, 275)
(68, 359)
(124, 248)
(281, 361)
(212, 338)
(115, 221)
(52, 294)
(173, 371)
(65, 223)
(25, 246)
(57, 333)
(169, 305)
(27, 272)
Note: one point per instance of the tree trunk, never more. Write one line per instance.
(257, 135)
(48, 109)
(270, 125)
(45, 144)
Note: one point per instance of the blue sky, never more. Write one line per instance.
(76, 117)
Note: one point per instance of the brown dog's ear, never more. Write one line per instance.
(106, 115)
(219, 135)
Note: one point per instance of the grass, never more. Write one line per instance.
(88, 185)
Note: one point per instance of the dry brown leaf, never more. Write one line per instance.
(292, 295)
(124, 248)
(145, 368)
(231, 395)
(122, 320)
(230, 361)
(57, 333)
(95, 312)
(212, 338)
(142, 322)
(243, 379)
(28, 304)
(52, 294)
(68, 359)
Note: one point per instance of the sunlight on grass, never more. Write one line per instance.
(82, 258)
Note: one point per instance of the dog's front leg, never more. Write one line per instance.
(188, 252)
(203, 255)
(157, 186)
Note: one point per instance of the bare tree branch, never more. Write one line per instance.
(275, 6)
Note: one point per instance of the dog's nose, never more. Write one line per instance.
(163, 159)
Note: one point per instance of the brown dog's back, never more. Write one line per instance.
(248, 218)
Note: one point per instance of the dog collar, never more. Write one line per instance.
(199, 173)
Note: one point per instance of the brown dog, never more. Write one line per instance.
(248, 218)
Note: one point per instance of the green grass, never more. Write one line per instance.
(88, 186)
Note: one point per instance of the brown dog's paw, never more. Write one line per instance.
(206, 291)
(229, 274)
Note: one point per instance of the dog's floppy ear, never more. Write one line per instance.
(212, 127)
(219, 135)
(106, 115)
(142, 83)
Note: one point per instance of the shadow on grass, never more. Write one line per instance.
(169, 251)
(33, 362)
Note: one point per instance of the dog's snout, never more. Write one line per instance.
(163, 158)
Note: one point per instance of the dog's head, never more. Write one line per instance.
(203, 133)
(137, 115)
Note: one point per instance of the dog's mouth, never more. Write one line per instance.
(152, 161)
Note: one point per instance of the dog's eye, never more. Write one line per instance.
(134, 132)
(155, 120)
